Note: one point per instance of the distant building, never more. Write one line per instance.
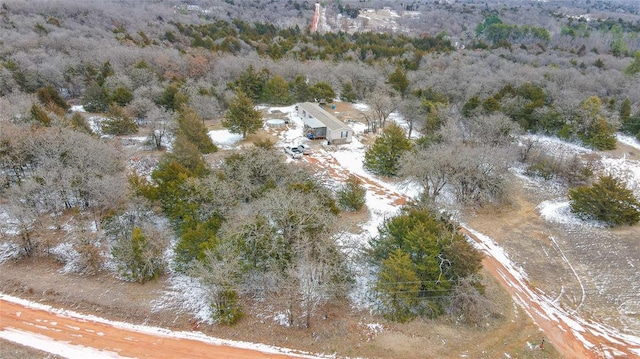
(319, 123)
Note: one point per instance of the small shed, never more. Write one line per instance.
(319, 123)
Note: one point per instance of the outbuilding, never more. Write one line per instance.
(319, 124)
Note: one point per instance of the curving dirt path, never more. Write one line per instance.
(573, 337)
(112, 340)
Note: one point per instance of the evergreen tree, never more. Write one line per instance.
(300, 91)
(191, 127)
(399, 81)
(600, 135)
(348, 93)
(322, 91)
(608, 200)
(251, 83)
(398, 287)
(188, 155)
(138, 258)
(95, 98)
(118, 122)
(470, 106)
(105, 72)
(383, 157)
(242, 117)
(352, 195)
(423, 248)
(122, 96)
(595, 130)
(196, 237)
(629, 124)
(634, 66)
(491, 105)
(276, 91)
(172, 99)
(625, 111)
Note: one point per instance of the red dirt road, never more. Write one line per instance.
(557, 333)
(106, 337)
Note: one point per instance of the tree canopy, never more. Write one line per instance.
(242, 117)
(608, 201)
(383, 157)
(421, 257)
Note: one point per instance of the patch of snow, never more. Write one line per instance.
(224, 138)
(559, 211)
(361, 106)
(399, 120)
(78, 108)
(185, 295)
(8, 225)
(358, 127)
(65, 253)
(375, 328)
(552, 186)
(556, 146)
(628, 140)
(623, 169)
(46, 344)
(9, 251)
(95, 123)
(281, 319)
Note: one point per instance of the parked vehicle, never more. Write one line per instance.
(293, 152)
(305, 149)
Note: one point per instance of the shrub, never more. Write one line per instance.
(351, 197)
(608, 200)
(572, 170)
(469, 303)
(51, 98)
(90, 259)
(119, 123)
(138, 258)
(78, 123)
(39, 115)
(225, 308)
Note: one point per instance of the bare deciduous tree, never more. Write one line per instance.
(382, 102)
(413, 112)
(161, 124)
(468, 303)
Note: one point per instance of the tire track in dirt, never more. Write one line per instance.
(333, 168)
(573, 339)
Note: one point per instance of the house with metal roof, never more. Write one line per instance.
(320, 124)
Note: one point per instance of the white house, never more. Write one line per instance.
(319, 123)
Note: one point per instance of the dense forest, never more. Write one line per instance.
(468, 77)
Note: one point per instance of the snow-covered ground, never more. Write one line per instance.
(225, 139)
